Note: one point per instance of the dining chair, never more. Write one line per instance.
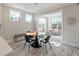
(29, 41)
(45, 42)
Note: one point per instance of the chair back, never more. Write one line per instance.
(30, 36)
(36, 38)
(27, 38)
(47, 39)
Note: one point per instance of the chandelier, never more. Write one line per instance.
(36, 10)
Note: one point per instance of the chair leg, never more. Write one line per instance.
(29, 47)
(24, 44)
(43, 49)
(50, 45)
(46, 48)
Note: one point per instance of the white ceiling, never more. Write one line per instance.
(31, 7)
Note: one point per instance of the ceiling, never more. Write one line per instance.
(31, 7)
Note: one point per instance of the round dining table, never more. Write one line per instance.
(36, 43)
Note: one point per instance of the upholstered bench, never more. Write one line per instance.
(17, 36)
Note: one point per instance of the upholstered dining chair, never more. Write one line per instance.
(29, 41)
(45, 42)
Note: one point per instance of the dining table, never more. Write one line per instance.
(35, 36)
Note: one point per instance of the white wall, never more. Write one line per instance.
(71, 32)
(0, 13)
(4, 47)
(1, 32)
(12, 28)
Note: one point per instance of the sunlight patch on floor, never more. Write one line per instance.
(56, 43)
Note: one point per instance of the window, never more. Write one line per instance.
(57, 21)
(28, 18)
(14, 15)
(57, 24)
(42, 24)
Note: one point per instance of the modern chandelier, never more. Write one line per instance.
(36, 10)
